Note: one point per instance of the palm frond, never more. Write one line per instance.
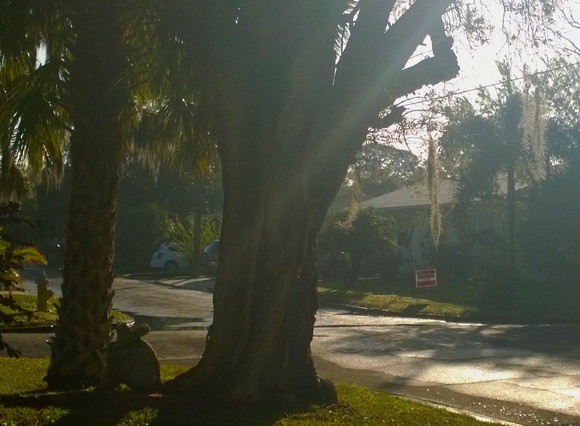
(14, 183)
(178, 132)
(29, 255)
(34, 120)
(14, 67)
(15, 32)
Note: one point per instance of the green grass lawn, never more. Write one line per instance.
(28, 302)
(24, 401)
(398, 299)
(520, 302)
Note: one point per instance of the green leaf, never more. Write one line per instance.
(30, 256)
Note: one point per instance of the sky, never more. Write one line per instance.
(478, 63)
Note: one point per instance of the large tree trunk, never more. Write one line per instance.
(265, 297)
(289, 123)
(97, 102)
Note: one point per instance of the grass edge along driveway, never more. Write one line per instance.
(512, 302)
(427, 302)
(23, 401)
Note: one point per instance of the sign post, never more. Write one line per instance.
(425, 278)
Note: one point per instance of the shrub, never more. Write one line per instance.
(366, 236)
(14, 255)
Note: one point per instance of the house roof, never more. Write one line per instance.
(413, 196)
(417, 196)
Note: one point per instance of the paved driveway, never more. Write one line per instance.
(528, 374)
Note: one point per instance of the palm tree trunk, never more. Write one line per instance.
(97, 103)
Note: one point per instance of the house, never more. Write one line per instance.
(411, 209)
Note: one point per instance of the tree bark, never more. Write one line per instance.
(290, 124)
(97, 102)
(265, 299)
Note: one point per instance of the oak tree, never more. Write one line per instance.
(295, 87)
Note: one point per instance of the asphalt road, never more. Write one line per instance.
(528, 374)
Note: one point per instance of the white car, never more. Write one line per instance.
(169, 258)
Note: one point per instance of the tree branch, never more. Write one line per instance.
(365, 40)
(372, 18)
(403, 38)
(442, 66)
(394, 116)
(366, 68)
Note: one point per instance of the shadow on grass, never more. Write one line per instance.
(82, 407)
(183, 412)
(414, 309)
(112, 408)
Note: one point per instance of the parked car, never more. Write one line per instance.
(169, 258)
(208, 260)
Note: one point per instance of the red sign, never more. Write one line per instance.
(426, 278)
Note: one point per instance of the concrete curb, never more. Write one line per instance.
(47, 328)
(476, 416)
(475, 320)
(28, 330)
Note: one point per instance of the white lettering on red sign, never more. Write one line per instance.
(426, 278)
